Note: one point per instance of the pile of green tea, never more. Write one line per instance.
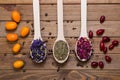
(61, 50)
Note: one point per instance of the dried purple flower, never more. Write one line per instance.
(38, 51)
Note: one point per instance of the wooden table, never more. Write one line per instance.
(72, 69)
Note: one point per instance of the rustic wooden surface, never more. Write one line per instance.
(72, 69)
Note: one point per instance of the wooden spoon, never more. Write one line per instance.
(60, 36)
(37, 33)
(83, 33)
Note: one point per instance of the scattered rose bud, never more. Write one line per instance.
(102, 19)
(115, 42)
(101, 64)
(90, 34)
(102, 45)
(105, 39)
(108, 58)
(100, 31)
(111, 47)
(105, 50)
(94, 64)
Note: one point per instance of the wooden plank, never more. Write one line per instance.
(61, 75)
(48, 12)
(54, 1)
(7, 60)
(72, 69)
(4, 32)
(114, 1)
(71, 28)
(7, 47)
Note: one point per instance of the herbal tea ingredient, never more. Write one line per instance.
(11, 25)
(61, 50)
(105, 39)
(24, 31)
(12, 37)
(100, 32)
(108, 58)
(16, 16)
(90, 34)
(102, 19)
(18, 64)
(38, 50)
(94, 64)
(84, 48)
(16, 48)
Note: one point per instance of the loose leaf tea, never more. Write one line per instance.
(38, 51)
(84, 48)
(61, 50)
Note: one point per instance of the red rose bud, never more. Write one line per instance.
(94, 64)
(90, 34)
(115, 42)
(102, 45)
(105, 39)
(108, 59)
(101, 64)
(100, 31)
(102, 19)
(105, 50)
(111, 47)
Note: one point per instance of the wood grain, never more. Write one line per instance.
(7, 46)
(61, 75)
(71, 28)
(72, 69)
(54, 1)
(72, 63)
(70, 12)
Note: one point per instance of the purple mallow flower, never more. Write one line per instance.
(38, 51)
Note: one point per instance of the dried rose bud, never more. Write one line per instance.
(111, 47)
(94, 64)
(101, 64)
(90, 34)
(108, 59)
(102, 45)
(105, 39)
(100, 31)
(105, 50)
(102, 19)
(115, 42)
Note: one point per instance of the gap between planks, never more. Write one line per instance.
(70, 12)
(71, 28)
(7, 46)
(50, 63)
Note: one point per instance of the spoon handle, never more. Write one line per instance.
(60, 35)
(84, 18)
(36, 13)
